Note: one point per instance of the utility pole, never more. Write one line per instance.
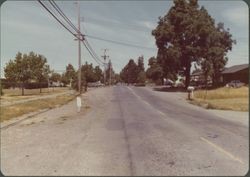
(110, 65)
(105, 57)
(79, 38)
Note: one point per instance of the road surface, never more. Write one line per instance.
(126, 131)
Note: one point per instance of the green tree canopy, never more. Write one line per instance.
(25, 68)
(129, 73)
(155, 71)
(55, 77)
(185, 35)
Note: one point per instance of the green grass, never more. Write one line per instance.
(236, 99)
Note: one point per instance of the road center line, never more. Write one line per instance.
(222, 150)
(161, 113)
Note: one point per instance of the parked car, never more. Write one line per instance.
(235, 84)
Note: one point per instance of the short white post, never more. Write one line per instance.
(79, 103)
(190, 90)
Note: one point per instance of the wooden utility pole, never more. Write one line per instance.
(79, 50)
(105, 57)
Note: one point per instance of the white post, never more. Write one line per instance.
(78, 103)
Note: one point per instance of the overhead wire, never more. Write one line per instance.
(58, 9)
(62, 14)
(120, 43)
(57, 18)
(85, 41)
(87, 45)
(96, 60)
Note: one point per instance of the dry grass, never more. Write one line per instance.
(29, 92)
(16, 94)
(9, 112)
(236, 99)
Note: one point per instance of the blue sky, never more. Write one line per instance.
(26, 26)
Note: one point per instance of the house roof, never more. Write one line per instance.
(235, 68)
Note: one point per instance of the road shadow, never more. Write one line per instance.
(169, 89)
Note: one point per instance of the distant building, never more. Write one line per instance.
(236, 72)
(198, 77)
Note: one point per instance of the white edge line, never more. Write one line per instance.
(222, 150)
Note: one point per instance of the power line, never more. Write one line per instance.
(98, 62)
(96, 56)
(57, 18)
(120, 43)
(58, 9)
(87, 45)
(62, 14)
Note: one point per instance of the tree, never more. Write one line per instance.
(184, 35)
(39, 67)
(18, 70)
(88, 74)
(26, 68)
(70, 74)
(98, 73)
(220, 43)
(141, 78)
(129, 73)
(155, 71)
(117, 78)
(141, 75)
(140, 64)
(55, 77)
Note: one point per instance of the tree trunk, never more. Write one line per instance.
(22, 89)
(86, 87)
(40, 87)
(187, 75)
(205, 96)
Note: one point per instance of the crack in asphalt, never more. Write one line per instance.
(131, 164)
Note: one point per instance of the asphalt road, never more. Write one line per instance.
(126, 131)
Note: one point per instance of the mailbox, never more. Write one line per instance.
(190, 90)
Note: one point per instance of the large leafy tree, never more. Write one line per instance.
(216, 55)
(129, 73)
(141, 75)
(155, 71)
(55, 77)
(18, 70)
(25, 68)
(98, 73)
(88, 74)
(69, 75)
(184, 35)
(39, 67)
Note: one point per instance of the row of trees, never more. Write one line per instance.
(188, 35)
(32, 68)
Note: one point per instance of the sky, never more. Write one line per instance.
(26, 26)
